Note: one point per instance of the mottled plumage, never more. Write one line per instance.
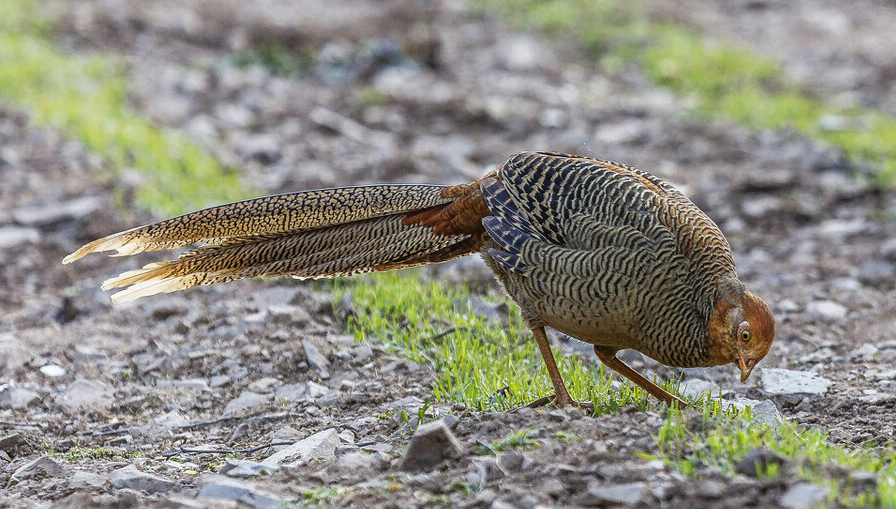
(606, 253)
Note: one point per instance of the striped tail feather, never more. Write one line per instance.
(354, 230)
(289, 212)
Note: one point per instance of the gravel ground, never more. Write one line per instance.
(116, 392)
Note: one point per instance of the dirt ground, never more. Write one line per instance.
(402, 92)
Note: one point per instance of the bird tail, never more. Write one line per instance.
(311, 234)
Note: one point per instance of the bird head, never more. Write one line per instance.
(741, 329)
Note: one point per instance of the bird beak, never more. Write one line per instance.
(745, 370)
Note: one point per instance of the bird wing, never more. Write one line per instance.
(602, 241)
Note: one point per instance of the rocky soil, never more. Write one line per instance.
(251, 393)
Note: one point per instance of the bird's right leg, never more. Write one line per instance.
(561, 396)
(607, 356)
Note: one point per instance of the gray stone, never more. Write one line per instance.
(264, 385)
(803, 495)
(246, 399)
(888, 249)
(18, 398)
(623, 494)
(219, 381)
(787, 381)
(758, 461)
(44, 214)
(316, 390)
(86, 394)
(431, 444)
(10, 443)
(358, 461)
(510, 462)
(221, 488)
(38, 468)
(12, 236)
(623, 132)
(131, 478)
(315, 358)
(82, 480)
(13, 354)
(52, 370)
(245, 468)
(763, 412)
(708, 488)
(290, 392)
(496, 312)
(321, 445)
(288, 314)
(695, 388)
(285, 434)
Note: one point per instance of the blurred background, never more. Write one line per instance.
(777, 117)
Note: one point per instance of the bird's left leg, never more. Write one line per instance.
(561, 396)
(607, 355)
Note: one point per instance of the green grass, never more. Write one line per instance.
(719, 81)
(485, 364)
(86, 98)
(76, 454)
(721, 441)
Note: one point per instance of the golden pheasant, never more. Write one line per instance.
(603, 252)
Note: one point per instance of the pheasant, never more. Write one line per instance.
(598, 250)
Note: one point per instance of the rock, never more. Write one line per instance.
(787, 381)
(13, 354)
(9, 444)
(264, 148)
(130, 477)
(287, 314)
(489, 310)
(321, 445)
(315, 358)
(523, 53)
(624, 132)
(12, 236)
(284, 434)
(876, 273)
(86, 394)
(172, 419)
(82, 480)
(431, 444)
(17, 398)
(355, 461)
(263, 385)
(316, 390)
(763, 412)
(888, 249)
(803, 495)
(290, 392)
(38, 468)
(708, 488)
(758, 461)
(695, 388)
(46, 214)
(623, 494)
(510, 462)
(218, 381)
(52, 370)
(221, 488)
(245, 468)
(246, 399)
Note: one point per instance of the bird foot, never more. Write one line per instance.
(560, 402)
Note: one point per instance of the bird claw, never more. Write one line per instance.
(560, 402)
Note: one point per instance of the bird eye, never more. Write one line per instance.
(744, 332)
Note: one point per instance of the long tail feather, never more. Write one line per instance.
(315, 234)
(270, 214)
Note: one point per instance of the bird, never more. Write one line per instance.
(598, 250)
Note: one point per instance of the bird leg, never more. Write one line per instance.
(607, 355)
(561, 396)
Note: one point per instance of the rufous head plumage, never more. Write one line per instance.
(741, 329)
